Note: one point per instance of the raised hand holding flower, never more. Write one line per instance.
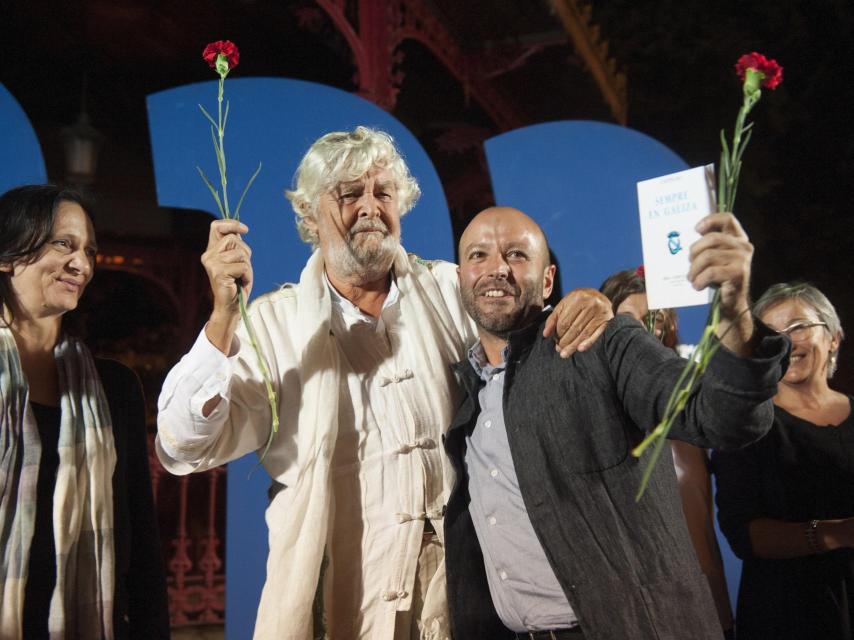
(223, 56)
(756, 71)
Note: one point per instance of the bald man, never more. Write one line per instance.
(543, 536)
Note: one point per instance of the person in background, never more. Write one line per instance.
(786, 503)
(79, 549)
(627, 292)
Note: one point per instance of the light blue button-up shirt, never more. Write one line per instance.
(524, 589)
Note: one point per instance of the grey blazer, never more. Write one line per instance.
(628, 569)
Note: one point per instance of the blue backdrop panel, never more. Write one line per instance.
(21, 160)
(577, 179)
(274, 121)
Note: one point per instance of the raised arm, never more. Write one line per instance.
(722, 258)
(213, 408)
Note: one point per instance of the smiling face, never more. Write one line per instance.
(505, 274)
(358, 225)
(53, 282)
(811, 348)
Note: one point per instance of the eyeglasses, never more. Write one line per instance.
(801, 330)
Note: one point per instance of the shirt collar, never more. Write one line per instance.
(350, 313)
(477, 356)
(480, 364)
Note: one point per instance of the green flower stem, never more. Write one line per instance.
(650, 321)
(265, 371)
(218, 139)
(694, 369)
(220, 150)
(729, 171)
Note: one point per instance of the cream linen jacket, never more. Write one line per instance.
(293, 330)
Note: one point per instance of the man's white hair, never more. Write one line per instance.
(344, 156)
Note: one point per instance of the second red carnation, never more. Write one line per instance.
(772, 71)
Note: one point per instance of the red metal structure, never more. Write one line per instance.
(376, 32)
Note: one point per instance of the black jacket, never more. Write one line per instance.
(141, 608)
(628, 569)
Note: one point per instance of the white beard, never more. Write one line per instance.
(363, 259)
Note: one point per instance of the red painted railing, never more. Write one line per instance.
(191, 516)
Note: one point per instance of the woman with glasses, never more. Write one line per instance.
(786, 503)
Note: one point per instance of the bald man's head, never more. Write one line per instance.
(505, 273)
(502, 216)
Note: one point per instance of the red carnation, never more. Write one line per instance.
(772, 71)
(224, 47)
(640, 272)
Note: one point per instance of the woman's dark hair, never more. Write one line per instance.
(621, 285)
(27, 215)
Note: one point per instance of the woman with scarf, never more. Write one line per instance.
(79, 551)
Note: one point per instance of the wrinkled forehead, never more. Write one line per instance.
(788, 310)
(504, 228)
(377, 176)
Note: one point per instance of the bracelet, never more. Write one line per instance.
(810, 533)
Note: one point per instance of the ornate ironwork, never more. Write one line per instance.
(577, 20)
(383, 26)
(195, 576)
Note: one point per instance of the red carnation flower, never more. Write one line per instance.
(640, 272)
(772, 71)
(224, 47)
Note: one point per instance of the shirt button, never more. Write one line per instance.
(503, 575)
(496, 376)
(493, 473)
(487, 424)
(492, 520)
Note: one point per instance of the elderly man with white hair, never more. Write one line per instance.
(359, 352)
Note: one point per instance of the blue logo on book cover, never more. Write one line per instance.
(674, 244)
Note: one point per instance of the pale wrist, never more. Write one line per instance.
(220, 330)
(831, 534)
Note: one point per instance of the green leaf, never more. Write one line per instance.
(740, 152)
(723, 177)
(265, 372)
(208, 116)
(225, 117)
(215, 144)
(213, 191)
(650, 465)
(245, 190)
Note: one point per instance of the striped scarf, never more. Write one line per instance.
(82, 602)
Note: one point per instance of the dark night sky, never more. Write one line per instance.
(797, 189)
